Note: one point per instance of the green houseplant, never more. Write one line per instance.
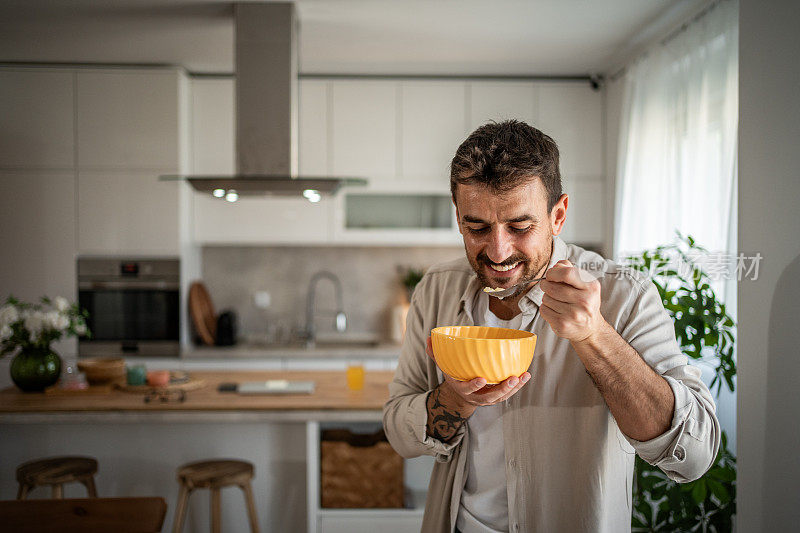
(410, 278)
(29, 329)
(706, 334)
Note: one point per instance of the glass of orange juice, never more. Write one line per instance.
(355, 375)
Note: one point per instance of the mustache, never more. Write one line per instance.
(518, 258)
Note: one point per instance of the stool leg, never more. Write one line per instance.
(91, 490)
(216, 510)
(251, 507)
(22, 493)
(180, 510)
(58, 491)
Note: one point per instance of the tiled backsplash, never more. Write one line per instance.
(369, 277)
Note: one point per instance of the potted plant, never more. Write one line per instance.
(706, 333)
(29, 329)
(398, 311)
(410, 278)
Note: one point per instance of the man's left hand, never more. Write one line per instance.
(571, 305)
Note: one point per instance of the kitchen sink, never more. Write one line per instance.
(346, 342)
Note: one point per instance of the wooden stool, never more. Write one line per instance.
(56, 471)
(214, 475)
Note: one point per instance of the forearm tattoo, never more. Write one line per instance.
(443, 423)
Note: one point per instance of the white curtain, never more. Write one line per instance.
(677, 158)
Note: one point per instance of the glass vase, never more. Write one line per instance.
(35, 369)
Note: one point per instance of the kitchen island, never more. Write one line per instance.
(331, 400)
(139, 445)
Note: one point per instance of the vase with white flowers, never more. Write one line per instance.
(29, 329)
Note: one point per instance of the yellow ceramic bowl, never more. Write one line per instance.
(469, 352)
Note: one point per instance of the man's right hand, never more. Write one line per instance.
(453, 401)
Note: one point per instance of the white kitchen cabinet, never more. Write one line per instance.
(571, 113)
(434, 124)
(37, 114)
(364, 128)
(129, 133)
(313, 118)
(128, 118)
(37, 217)
(127, 212)
(408, 213)
(257, 220)
(213, 126)
(501, 100)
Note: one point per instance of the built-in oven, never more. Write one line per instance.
(133, 305)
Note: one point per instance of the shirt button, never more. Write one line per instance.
(679, 453)
(511, 463)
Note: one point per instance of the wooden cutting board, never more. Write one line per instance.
(201, 310)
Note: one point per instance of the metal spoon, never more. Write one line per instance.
(511, 291)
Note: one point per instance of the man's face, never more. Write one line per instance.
(508, 236)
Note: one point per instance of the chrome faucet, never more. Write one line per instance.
(340, 322)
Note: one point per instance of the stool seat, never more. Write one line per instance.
(216, 473)
(56, 471)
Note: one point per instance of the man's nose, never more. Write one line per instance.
(500, 246)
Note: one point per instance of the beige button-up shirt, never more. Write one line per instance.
(568, 466)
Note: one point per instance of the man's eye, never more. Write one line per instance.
(521, 230)
(479, 230)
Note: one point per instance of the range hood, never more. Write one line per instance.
(266, 111)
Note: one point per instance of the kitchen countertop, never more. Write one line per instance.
(330, 400)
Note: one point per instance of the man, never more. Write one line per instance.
(553, 449)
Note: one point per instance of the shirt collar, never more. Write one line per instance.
(531, 300)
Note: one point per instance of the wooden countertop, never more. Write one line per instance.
(330, 396)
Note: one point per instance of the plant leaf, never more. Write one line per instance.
(699, 490)
(718, 490)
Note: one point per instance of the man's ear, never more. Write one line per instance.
(559, 214)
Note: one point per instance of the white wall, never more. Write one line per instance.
(769, 189)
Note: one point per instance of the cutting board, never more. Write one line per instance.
(201, 310)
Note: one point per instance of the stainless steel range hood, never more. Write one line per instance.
(266, 110)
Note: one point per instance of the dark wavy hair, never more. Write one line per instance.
(504, 155)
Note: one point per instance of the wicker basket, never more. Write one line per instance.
(360, 471)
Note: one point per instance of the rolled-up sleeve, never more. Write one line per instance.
(688, 448)
(405, 414)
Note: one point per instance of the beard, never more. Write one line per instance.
(531, 266)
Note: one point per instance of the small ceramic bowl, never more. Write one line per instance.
(137, 375)
(158, 378)
(469, 352)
